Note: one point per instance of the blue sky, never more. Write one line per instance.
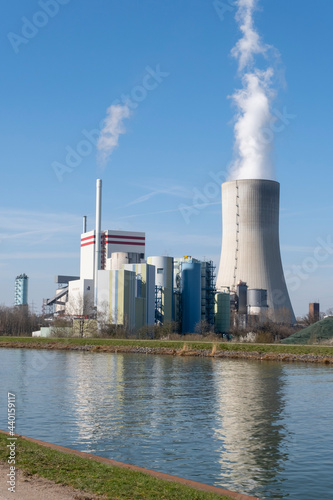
(59, 83)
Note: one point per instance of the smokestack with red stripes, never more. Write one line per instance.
(98, 235)
(97, 247)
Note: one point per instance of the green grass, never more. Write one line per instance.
(172, 344)
(95, 477)
(98, 341)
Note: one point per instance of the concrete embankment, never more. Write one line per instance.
(186, 350)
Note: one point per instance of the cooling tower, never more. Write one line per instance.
(250, 243)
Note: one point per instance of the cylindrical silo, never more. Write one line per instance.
(250, 243)
(257, 303)
(256, 299)
(117, 260)
(190, 295)
(222, 312)
(164, 290)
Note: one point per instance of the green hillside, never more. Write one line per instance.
(322, 330)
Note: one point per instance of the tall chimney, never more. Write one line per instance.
(84, 227)
(250, 243)
(98, 235)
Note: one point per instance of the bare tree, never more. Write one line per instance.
(204, 328)
(80, 305)
(18, 320)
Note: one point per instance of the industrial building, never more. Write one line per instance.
(251, 249)
(116, 302)
(194, 293)
(208, 291)
(144, 294)
(57, 304)
(118, 285)
(117, 248)
(21, 290)
(126, 296)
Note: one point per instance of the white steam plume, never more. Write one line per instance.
(253, 102)
(113, 127)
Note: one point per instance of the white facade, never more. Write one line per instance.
(80, 297)
(163, 270)
(123, 241)
(129, 242)
(250, 243)
(87, 259)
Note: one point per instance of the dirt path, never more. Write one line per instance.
(37, 488)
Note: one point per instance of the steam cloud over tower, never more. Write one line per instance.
(250, 244)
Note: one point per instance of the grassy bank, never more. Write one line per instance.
(172, 344)
(95, 477)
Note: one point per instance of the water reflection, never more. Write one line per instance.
(250, 405)
(236, 424)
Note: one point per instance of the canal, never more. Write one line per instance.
(261, 428)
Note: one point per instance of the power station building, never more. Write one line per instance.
(117, 248)
(118, 285)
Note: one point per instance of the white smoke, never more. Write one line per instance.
(113, 127)
(253, 102)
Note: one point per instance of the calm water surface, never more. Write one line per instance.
(264, 429)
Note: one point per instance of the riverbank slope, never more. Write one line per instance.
(97, 476)
(262, 352)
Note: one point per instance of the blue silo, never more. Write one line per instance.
(191, 295)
